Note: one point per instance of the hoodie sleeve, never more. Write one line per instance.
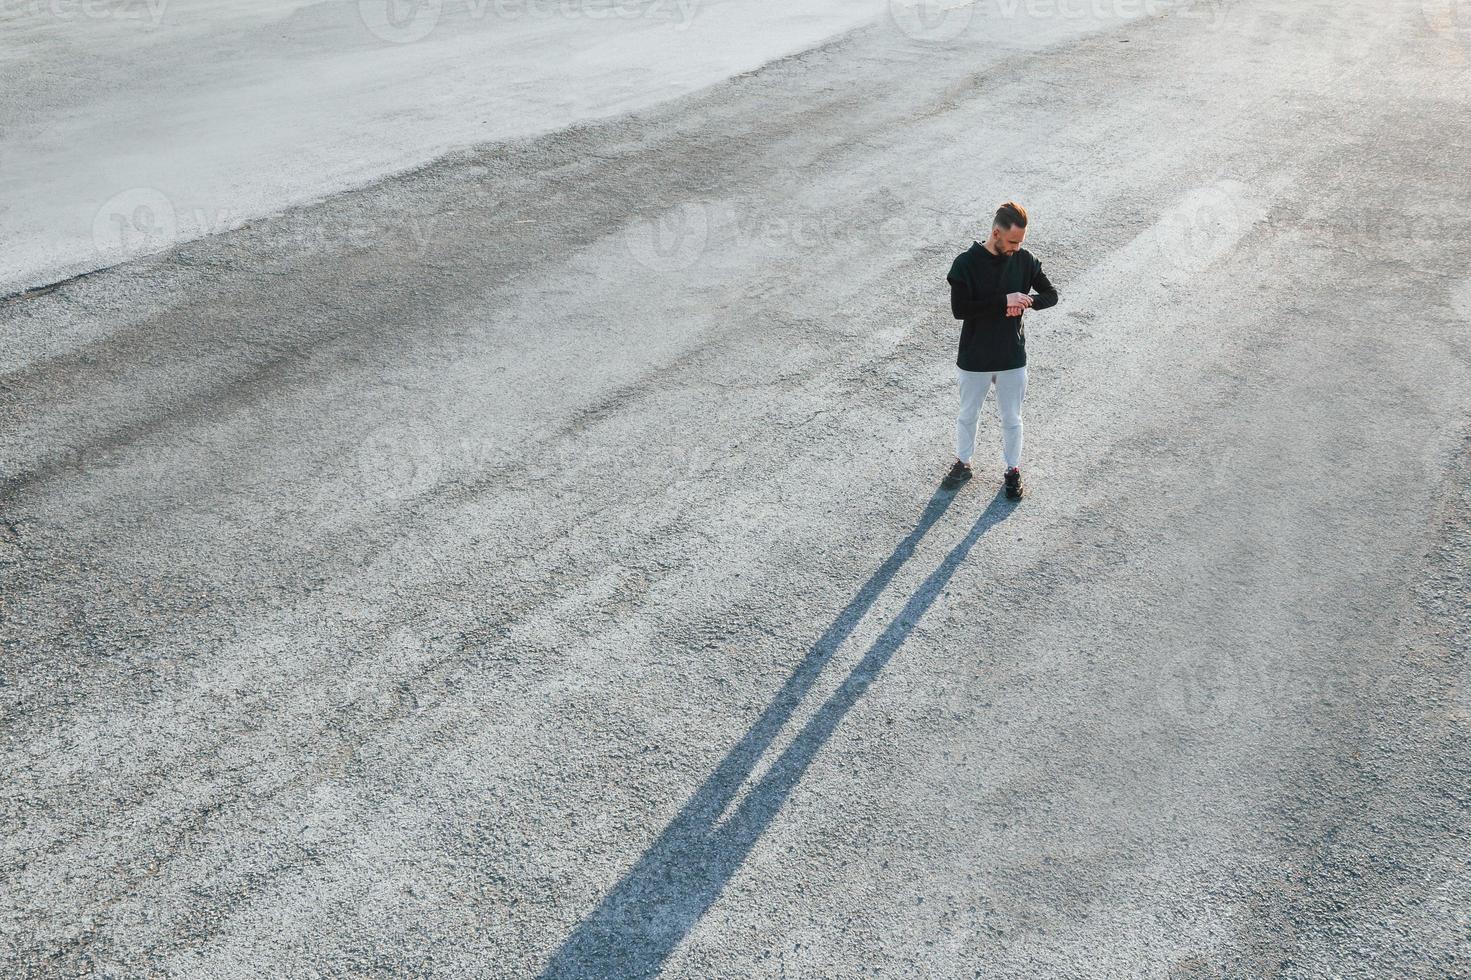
(966, 305)
(1042, 286)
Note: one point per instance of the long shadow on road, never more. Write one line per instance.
(661, 898)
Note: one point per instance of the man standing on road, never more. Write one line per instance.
(991, 286)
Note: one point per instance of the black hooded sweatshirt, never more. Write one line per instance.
(979, 284)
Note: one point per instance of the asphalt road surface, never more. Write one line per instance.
(535, 564)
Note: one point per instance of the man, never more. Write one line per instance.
(991, 286)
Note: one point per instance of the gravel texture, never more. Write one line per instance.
(534, 564)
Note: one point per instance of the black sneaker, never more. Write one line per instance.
(1014, 489)
(959, 473)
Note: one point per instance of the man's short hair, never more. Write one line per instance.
(1010, 215)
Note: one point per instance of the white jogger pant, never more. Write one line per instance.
(1011, 386)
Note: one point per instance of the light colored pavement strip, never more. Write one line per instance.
(208, 114)
(529, 597)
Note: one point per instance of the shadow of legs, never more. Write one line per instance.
(640, 922)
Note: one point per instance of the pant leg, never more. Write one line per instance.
(973, 388)
(1011, 388)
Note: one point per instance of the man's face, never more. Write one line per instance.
(1006, 241)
